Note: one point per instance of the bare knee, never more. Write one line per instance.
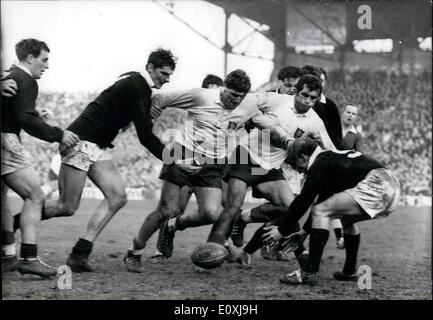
(165, 211)
(351, 229)
(118, 201)
(37, 196)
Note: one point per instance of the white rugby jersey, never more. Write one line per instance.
(205, 129)
(261, 151)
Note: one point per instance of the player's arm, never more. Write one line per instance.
(175, 99)
(323, 135)
(142, 119)
(27, 116)
(314, 183)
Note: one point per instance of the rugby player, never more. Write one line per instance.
(288, 77)
(262, 171)
(211, 81)
(296, 118)
(19, 113)
(350, 186)
(127, 100)
(203, 143)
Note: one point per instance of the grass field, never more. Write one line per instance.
(397, 249)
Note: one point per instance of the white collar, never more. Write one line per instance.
(148, 79)
(322, 98)
(24, 68)
(313, 157)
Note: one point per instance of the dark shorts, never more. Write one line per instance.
(208, 177)
(248, 173)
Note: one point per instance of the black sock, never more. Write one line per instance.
(8, 237)
(82, 248)
(318, 239)
(298, 252)
(29, 250)
(338, 233)
(17, 218)
(256, 241)
(351, 243)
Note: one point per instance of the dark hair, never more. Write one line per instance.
(238, 80)
(288, 72)
(310, 69)
(311, 82)
(323, 72)
(211, 79)
(160, 58)
(30, 46)
(304, 145)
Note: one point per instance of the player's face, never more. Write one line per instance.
(301, 164)
(350, 114)
(159, 75)
(288, 86)
(305, 99)
(38, 64)
(231, 98)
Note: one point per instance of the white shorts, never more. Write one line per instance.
(83, 155)
(378, 194)
(13, 155)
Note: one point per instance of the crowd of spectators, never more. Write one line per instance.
(396, 128)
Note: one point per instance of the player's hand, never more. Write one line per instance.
(188, 165)
(69, 139)
(45, 114)
(8, 88)
(293, 241)
(265, 121)
(155, 111)
(272, 236)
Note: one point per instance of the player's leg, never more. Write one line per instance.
(167, 207)
(236, 191)
(185, 195)
(352, 239)
(9, 256)
(209, 206)
(340, 205)
(25, 183)
(106, 177)
(338, 231)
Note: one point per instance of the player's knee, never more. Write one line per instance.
(37, 196)
(68, 211)
(166, 212)
(320, 211)
(119, 200)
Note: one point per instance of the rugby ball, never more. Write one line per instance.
(209, 255)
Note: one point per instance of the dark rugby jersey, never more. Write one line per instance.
(331, 173)
(19, 112)
(129, 99)
(330, 116)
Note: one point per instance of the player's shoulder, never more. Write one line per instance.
(20, 76)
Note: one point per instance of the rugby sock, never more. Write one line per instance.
(318, 239)
(265, 212)
(338, 233)
(82, 248)
(216, 237)
(351, 242)
(172, 224)
(29, 250)
(256, 241)
(298, 252)
(134, 248)
(8, 243)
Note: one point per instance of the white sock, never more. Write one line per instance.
(246, 216)
(172, 224)
(9, 249)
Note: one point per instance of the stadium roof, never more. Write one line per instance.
(398, 20)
